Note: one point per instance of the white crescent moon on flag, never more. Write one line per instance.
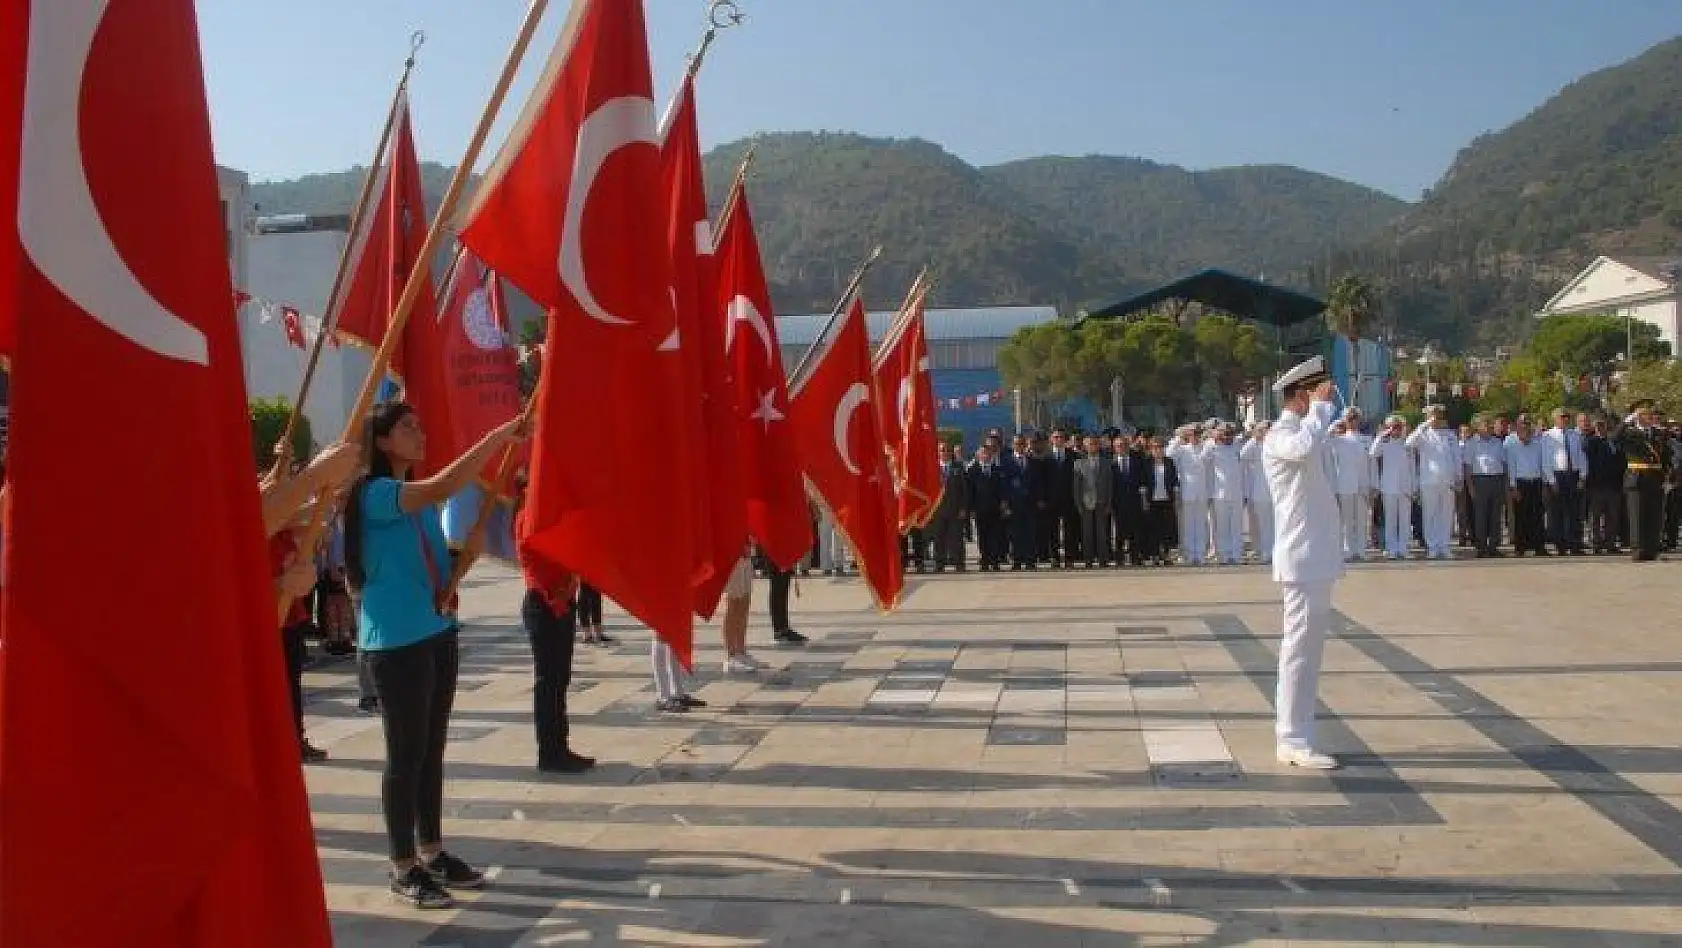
(618, 123)
(857, 395)
(59, 223)
(742, 310)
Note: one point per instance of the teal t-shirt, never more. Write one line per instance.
(396, 606)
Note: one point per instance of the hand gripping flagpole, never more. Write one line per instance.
(283, 447)
(797, 376)
(434, 235)
(481, 520)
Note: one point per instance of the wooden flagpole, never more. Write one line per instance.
(434, 234)
(919, 289)
(283, 448)
(737, 188)
(797, 376)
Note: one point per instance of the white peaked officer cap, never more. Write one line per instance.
(1311, 372)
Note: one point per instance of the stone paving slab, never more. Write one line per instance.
(1066, 758)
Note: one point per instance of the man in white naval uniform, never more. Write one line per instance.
(1438, 448)
(1307, 553)
(1194, 497)
(1226, 495)
(1256, 495)
(1347, 455)
(1396, 482)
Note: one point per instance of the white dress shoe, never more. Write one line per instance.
(1306, 758)
(740, 665)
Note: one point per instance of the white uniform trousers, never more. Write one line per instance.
(1194, 530)
(832, 547)
(1398, 523)
(1308, 609)
(1436, 518)
(1261, 528)
(1229, 529)
(668, 674)
(1356, 516)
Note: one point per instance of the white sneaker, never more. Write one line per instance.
(751, 660)
(740, 665)
(1306, 758)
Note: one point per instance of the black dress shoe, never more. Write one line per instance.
(690, 701)
(569, 763)
(790, 637)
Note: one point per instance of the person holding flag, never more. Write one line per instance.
(397, 561)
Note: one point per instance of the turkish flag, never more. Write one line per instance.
(463, 371)
(102, 761)
(294, 325)
(715, 479)
(903, 378)
(834, 411)
(384, 248)
(14, 31)
(777, 512)
(571, 212)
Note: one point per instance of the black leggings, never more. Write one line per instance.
(589, 605)
(417, 687)
(551, 638)
(293, 638)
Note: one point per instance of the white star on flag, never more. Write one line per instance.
(767, 411)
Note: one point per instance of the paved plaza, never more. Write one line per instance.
(1062, 759)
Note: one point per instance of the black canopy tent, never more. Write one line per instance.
(1227, 292)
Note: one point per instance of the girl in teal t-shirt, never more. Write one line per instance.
(398, 565)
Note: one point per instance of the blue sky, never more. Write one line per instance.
(1381, 93)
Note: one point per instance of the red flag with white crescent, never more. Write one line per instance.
(903, 378)
(475, 382)
(572, 213)
(777, 512)
(384, 248)
(98, 753)
(715, 477)
(834, 411)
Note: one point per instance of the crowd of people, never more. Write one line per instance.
(1205, 495)
(1581, 484)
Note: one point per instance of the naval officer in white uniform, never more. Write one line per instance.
(1307, 553)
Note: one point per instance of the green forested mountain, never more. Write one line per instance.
(1062, 231)
(1161, 219)
(1596, 169)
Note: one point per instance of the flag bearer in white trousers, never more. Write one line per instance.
(1437, 447)
(1257, 497)
(1346, 454)
(1307, 553)
(1396, 479)
(1226, 495)
(1194, 497)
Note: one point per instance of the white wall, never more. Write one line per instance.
(1661, 314)
(298, 270)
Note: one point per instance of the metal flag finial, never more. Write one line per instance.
(724, 14)
(417, 39)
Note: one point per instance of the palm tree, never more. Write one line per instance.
(1351, 307)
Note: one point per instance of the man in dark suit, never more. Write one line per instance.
(1025, 494)
(946, 527)
(1161, 485)
(1127, 468)
(1604, 485)
(1062, 525)
(987, 501)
